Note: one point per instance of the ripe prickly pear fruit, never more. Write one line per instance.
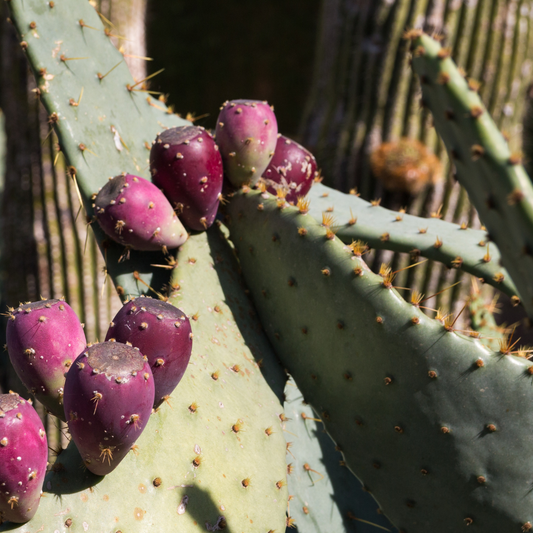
(186, 164)
(246, 134)
(23, 458)
(162, 333)
(135, 213)
(109, 393)
(43, 340)
(292, 170)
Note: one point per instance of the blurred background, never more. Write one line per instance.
(217, 51)
(338, 75)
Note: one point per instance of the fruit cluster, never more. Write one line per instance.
(188, 168)
(106, 391)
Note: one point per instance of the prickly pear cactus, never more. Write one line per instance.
(215, 457)
(324, 494)
(435, 425)
(457, 246)
(105, 120)
(216, 454)
(425, 416)
(494, 177)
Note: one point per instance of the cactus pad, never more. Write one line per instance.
(325, 495)
(423, 414)
(456, 246)
(497, 183)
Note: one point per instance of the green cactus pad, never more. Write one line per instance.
(207, 441)
(103, 127)
(496, 182)
(381, 228)
(436, 426)
(325, 495)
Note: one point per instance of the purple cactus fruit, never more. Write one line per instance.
(246, 134)
(186, 164)
(43, 340)
(292, 169)
(109, 393)
(135, 213)
(23, 458)
(162, 333)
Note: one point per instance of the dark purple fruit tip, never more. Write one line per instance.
(43, 340)
(291, 170)
(109, 394)
(135, 213)
(186, 164)
(162, 333)
(23, 458)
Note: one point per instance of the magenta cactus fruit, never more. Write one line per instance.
(291, 170)
(43, 340)
(23, 458)
(246, 134)
(186, 164)
(162, 333)
(135, 213)
(109, 393)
